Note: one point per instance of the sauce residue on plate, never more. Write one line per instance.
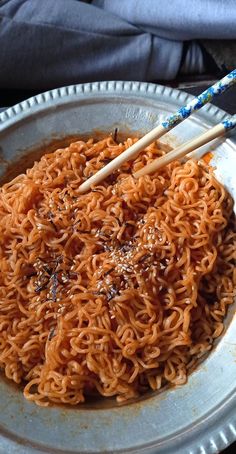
(207, 157)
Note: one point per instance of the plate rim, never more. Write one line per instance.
(43, 100)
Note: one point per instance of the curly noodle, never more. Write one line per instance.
(118, 290)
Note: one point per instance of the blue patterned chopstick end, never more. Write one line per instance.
(200, 101)
(229, 123)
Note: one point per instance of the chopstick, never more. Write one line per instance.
(170, 122)
(187, 147)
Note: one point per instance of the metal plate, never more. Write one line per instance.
(198, 417)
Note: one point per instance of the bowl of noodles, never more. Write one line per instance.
(117, 327)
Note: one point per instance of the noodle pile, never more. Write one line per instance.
(118, 290)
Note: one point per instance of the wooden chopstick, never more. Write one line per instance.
(170, 122)
(187, 147)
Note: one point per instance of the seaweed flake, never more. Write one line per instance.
(50, 215)
(54, 286)
(47, 269)
(41, 287)
(112, 292)
(108, 272)
(125, 247)
(115, 135)
(51, 334)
